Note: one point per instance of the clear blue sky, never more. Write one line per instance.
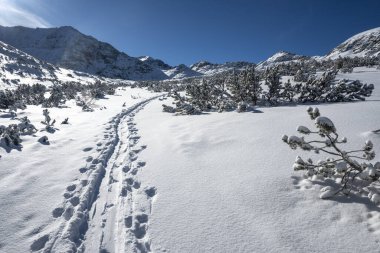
(187, 31)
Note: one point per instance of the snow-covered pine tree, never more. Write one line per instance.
(252, 84)
(234, 86)
(272, 81)
(288, 91)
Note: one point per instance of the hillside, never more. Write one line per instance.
(17, 67)
(365, 44)
(68, 48)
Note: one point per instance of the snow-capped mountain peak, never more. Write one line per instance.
(366, 43)
(68, 48)
(281, 57)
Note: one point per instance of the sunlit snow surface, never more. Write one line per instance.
(218, 182)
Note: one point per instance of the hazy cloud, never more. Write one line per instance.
(12, 13)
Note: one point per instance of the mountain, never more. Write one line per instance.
(363, 44)
(207, 68)
(68, 48)
(155, 62)
(17, 67)
(181, 71)
(360, 45)
(281, 57)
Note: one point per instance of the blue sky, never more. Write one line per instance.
(184, 31)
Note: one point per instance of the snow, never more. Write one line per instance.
(208, 69)
(36, 186)
(325, 123)
(360, 45)
(136, 179)
(303, 130)
(281, 57)
(225, 182)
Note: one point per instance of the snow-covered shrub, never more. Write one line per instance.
(352, 170)
(25, 127)
(288, 91)
(99, 90)
(7, 99)
(10, 135)
(245, 86)
(226, 106)
(85, 101)
(242, 107)
(167, 108)
(301, 76)
(65, 121)
(49, 124)
(56, 98)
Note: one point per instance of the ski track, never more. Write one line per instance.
(107, 209)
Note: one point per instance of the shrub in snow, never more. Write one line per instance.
(49, 124)
(288, 91)
(56, 98)
(99, 89)
(226, 106)
(301, 76)
(65, 121)
(10, 135)
(7, 99)
(245, 86)
(242, 107)
(25, 127)
(167, 108)
(351, 169)
(85, 101)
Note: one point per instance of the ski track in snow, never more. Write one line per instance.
(107, 209)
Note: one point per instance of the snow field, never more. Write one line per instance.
(135, 179)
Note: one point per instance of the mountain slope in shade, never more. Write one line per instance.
(363, 44)
(68, 48)
(17, 67)
(155, 62)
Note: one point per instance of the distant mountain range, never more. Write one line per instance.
(45, 53)
(365, 44)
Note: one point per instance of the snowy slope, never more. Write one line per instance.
(66, 47)
(225, 181)
(281, 57)
(219, 182)
(207, 68)
(181, 71)
(363, 44)
(17, 67)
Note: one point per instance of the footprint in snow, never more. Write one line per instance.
(71, 188)
(39, 243)
(57, 212)
(150, 192)
(87, 149)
